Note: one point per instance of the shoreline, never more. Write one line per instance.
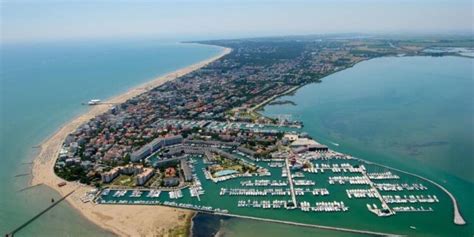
(157, 220)
(140, 89)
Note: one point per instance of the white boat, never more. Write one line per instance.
(105, 192)
(93, 102)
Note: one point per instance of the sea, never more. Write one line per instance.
(43, 86)
(412, 113)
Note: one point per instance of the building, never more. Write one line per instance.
(188, 175)
(141, 153)
(211, 143)
(305, 144)
(318, 147)
(170, 181)
(144, 176)
(108, 176)
(172, 140)
(246, 151)
(153, 146)
(131, 169)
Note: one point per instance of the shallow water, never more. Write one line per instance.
(42, 86)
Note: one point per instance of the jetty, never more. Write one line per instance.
(219, 212)
(372, 233)
(21, 175)
(11, 234)
(30, 187)
(290, 182)
(458, 219)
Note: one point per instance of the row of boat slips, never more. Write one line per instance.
(284, 174)
(410, 199)
(263, 183)
(349, 179)
(383, 175)
(400, 187)
(303, 182)
(195, 207)
(127, 202)
(153, 193)
(275, 164)
(196, 189)
(362, 193)
(412, 209)
(335, 168)
(328, 155)
(278, 183)
(175, 194)
(272, 192)
(334, 206)
(324, 206)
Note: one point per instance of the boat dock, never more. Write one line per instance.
(290, 182)
(458, 219)
(386, 210)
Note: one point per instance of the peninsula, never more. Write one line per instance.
(174, 145)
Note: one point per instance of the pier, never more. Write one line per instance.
(290, 182)
(11, 234)
(458, 219)
(382, 200)
(372, 233)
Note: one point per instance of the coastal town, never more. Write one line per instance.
(236, 118)
(287, 177)
(201, 136)
(229, 89)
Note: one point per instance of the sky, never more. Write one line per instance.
(33, 20)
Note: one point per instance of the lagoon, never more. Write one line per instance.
(413, 113)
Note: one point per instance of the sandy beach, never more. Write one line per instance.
(124, 220)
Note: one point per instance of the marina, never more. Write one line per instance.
(306, 182)
(304, 190)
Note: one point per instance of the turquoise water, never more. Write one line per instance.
(358, 217)
(413, 113)
(42, 86)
